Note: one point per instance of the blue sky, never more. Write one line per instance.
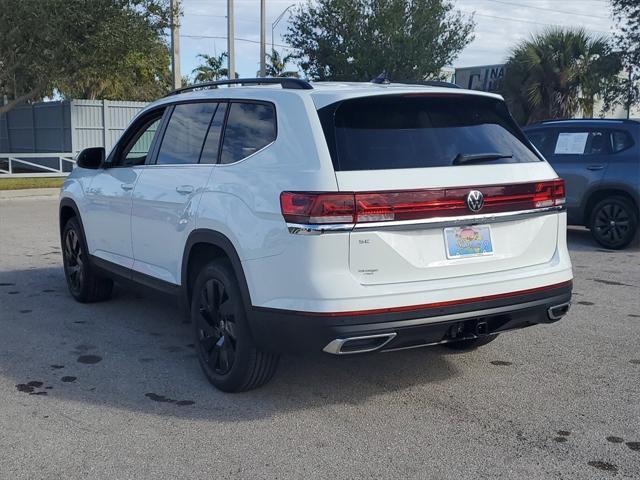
(500, 25)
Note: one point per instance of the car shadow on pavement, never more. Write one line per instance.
(580, 239)
(135, 352)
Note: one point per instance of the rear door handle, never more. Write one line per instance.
(595, 167)
(184, 189)
(126, 186)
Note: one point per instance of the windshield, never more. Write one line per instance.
(422, 130)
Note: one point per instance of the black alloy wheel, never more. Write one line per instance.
(85, 284)
(73, 261)
(226, 350)
(216, 331)
(614, 223)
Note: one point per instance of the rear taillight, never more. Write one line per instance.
(366, 207)
(317, 208)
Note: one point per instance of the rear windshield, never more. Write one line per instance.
(416, 131)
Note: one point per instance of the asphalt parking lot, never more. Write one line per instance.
(113, 390)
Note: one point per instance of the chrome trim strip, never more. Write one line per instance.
(335, 346)
(302, 229)
(438, 222)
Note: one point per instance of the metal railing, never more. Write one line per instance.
(36, 164)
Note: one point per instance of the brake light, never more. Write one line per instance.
(559, 194)
(314, 208)
(385, 206)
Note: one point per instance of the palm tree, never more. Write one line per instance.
(277, 64)
(211, 69)
(556, 73)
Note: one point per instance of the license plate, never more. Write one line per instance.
(468, 241)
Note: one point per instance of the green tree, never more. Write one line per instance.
(627, 42)
(359, 39)
(277, 65)
(211, 68)
(555, 73)
(83, 48)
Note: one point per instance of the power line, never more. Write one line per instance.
(221, 37)
(510, 19)
(198, 14)
(548, 9)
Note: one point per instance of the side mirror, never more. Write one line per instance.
(91, 158)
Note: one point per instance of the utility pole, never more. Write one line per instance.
(230, 41)
(263, 35)
(175, 44)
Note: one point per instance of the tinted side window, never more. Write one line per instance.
(137, 146)
(212, 142)
(250, 127)
(582, 142)
(542, 139)
(183, 139)
(620, 140)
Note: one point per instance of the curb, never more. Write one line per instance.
(29, 193)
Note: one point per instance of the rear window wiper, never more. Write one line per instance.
(463, 158)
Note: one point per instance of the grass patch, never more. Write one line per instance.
(20, 183)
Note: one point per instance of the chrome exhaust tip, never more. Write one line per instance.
(558, 311)
(364, 344)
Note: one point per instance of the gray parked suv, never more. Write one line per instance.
(599, 161)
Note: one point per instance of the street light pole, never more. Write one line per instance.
(275, 23)
(263, 28)
(230, 41)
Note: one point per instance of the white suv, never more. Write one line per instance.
(336, 217)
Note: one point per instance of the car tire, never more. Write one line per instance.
(84, 284)
(470, 344)
(226, 350)
(614, 222)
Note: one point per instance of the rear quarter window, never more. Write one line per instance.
(542, 139)
(423, 130)
(621, 140)
(250, 127)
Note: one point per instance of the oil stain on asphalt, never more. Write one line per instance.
(610, 282)
(89, 359)
(30, 387)
(608, 467)
(162, 399)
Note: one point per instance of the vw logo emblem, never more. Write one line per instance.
(475, 200)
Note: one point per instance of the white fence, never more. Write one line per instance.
(36, 164)
(65, 126)
(99, 123)
(31, 133)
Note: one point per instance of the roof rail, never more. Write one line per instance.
(286, 82)
(435, 83)
(616, 120)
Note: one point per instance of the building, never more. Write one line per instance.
(489, 78)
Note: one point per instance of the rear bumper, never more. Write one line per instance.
(288, 331)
